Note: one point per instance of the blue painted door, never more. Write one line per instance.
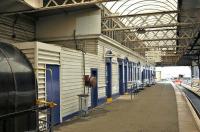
(138, 74)
(109, 79)
(125, 78)
(53, 90)
(121, 89)
(135, 74)
(149, 75)
(143, 75)
(94, 90)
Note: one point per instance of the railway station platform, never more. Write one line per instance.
(160, 108)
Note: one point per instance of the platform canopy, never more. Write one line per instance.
(167, 27)
(164, 31)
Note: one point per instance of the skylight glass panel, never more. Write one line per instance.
(147, 22)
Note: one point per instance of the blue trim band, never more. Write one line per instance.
(115, 95)
(101, 100)
(70, 116)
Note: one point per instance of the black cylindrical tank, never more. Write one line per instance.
(17, 90)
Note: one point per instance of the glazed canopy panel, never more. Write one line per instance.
(17, 90)
(148, 25)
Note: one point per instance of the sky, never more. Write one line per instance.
(174, 71)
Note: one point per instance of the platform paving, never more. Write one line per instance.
(186, 120)
(153, 110)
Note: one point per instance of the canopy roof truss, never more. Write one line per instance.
(51, 4)
(152, 25)
(168, 27)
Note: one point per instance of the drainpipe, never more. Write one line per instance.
(13, 27)
(83, 58)
(83, 55)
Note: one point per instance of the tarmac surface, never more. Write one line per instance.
(153, 110)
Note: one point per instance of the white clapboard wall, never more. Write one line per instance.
(115, 78)
(119, 51)
(24, 29)
(40, 54)
(102, 79)
(72, 78)
(71, 72)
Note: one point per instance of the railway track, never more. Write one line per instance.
(194, 100)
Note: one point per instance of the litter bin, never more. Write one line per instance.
(83, 104)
